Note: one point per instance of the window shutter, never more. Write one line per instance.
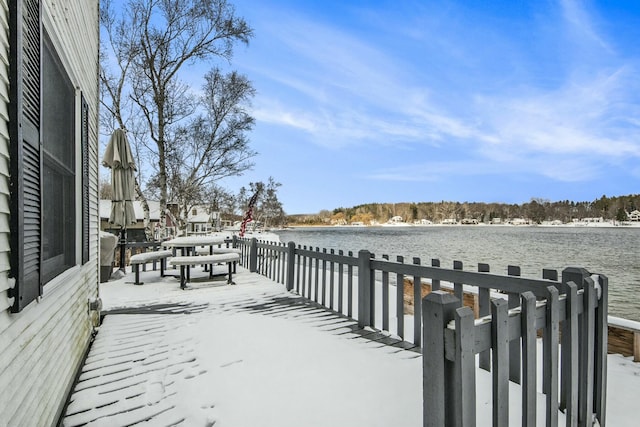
(26, 151)
(84, 111)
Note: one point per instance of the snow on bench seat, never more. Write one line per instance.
(145, 257)
(185, 262)
(208, 250)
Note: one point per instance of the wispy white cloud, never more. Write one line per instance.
(593, 116)
(340, 89)
(581, 25)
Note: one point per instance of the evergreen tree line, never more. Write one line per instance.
(536, 211)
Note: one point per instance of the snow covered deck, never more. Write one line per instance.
(249, 354)
(254, 354)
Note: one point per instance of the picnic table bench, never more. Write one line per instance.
(186, 261)
(145, 257)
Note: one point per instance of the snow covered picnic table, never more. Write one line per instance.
(189, 243)
(191, 254)
(256, 355)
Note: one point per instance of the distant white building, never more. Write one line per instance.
(590, 220)
(201, 221)
(519, 221)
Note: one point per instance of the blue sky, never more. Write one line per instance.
(401, 101)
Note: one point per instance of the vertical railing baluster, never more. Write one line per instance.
(304, 273)
(316, 289)
(331, 280)
(385, 297)
(499, 362)
(514, 346)
(417, 306)
(570, 373)
(587, 353)
(298, 266)
(400, 300)
(364, 290)
(458, 288)
(464, 377)
(552, 320)
(350, 287)
(372, 294)
(340, 282)
(602, 328)
(253, 256)
(324, 279)
(435, 284)
(291, 254)
(529, 362)
(550, 274)
(484, 309)
(547, 274)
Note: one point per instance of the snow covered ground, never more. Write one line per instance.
(254, 355)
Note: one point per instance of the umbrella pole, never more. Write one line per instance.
(123, 248)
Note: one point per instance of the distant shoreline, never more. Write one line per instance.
(409, 225)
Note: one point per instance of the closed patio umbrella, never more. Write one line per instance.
(119, 159)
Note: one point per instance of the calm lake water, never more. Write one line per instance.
(614, 251)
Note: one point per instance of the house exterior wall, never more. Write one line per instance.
(42, 346)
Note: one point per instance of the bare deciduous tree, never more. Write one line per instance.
(149, 43)
(215, 145)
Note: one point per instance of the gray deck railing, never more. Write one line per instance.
(509, 313)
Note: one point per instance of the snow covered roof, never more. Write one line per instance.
(200, 218)
(154, 210)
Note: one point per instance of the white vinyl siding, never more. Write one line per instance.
(42, 347)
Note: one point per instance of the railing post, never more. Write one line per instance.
(438, 309)
(364, 294)
(291, 265)
(253, 255)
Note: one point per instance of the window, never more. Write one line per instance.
(58, 143)
(43, 158)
